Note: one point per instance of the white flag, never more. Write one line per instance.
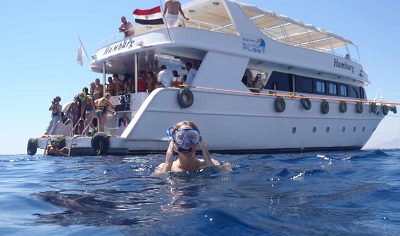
(81, 53)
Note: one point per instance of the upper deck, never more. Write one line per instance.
(211, 15)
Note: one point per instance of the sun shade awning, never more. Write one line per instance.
(293, 32)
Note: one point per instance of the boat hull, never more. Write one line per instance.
(240, 122)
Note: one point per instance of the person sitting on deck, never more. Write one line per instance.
(54, 150)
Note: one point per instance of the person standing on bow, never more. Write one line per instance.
(55, 109)
(172, 8)
(185, 139)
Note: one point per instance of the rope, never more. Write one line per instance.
(292, 95)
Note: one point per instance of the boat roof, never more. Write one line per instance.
(212, 15)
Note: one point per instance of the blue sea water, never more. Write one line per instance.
(319, 193)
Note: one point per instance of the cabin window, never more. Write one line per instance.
(332, 89)
(362, 93)
(280, 81)
(304, 84)
(343, 90)
(320, 86)
(353, 92)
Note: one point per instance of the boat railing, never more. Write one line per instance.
(142, 29)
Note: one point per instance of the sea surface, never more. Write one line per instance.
(318, 193)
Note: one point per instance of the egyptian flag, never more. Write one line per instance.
(151, 16)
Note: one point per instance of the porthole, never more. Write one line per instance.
(314, 129)
(294, 130)
(343, 129)
(327, 129)
(354, 129)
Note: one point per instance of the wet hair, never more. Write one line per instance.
(177, 126)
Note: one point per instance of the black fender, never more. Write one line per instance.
(185, 97)
(100, 143)
(31, 149)
(280, 104)
(324, 107)
(306, 103)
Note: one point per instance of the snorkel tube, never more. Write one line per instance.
(184, 149)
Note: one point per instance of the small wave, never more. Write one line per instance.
(306, 173)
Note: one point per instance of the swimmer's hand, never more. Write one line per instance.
(169, 160)
(206, 154)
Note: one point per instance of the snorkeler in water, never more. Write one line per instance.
(185, 138)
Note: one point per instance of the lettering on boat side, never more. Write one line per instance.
(119, 46)
(254, 45)
(342, 65)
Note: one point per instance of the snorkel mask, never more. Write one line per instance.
(182, 136)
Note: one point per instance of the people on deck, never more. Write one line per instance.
(92, 88)
(126, 27)
(142, 82)
(176, 80)
(164, 78)
(185, 139)
(119, 85)
(55, 109)
(87, 109)
(151, 81)
(102, 106)
(172, 8)
(74, 113)
(99, 86)
(111, 87)
(190, 75)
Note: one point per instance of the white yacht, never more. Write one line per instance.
(264, 83)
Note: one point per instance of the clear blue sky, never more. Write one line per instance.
(39, 44)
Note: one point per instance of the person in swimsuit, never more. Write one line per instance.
(102, 106)
(172, 8)
(126, 27)
(185, 139)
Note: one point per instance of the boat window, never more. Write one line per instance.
(280, 81)
(343, 90)
(362, 93)
(353, 92)
(304, 84)
(320, 86)
(332, 89)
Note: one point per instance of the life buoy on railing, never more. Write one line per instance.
(306, 103)
(373, 107)
(280, 104)
(343, 106)
(185, 98)
(100, 143)
(385, 109)
(324, 107)
(394, 109)
(359, 107)
(31, 149)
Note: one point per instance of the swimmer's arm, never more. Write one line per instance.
(169, 160)
(206, 155)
